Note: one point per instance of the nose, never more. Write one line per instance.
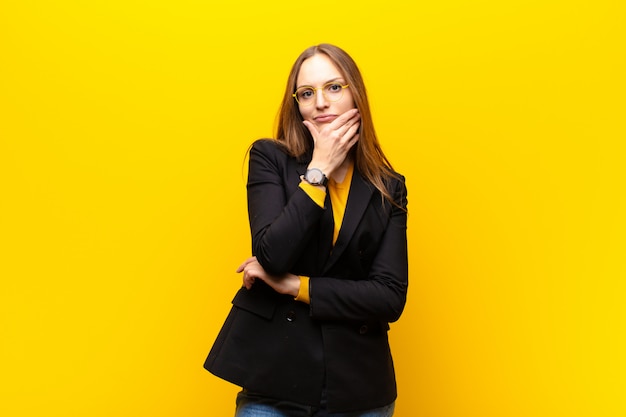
(320, 99)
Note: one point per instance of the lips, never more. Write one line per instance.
(325, 118)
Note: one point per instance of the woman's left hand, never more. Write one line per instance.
(284, 284)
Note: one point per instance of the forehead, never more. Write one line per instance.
(317, 70)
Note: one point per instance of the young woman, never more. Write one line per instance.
(307, 334)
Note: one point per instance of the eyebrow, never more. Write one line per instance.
(326, 82)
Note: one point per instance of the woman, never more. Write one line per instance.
(307, 334)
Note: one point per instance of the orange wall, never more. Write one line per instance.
(123, 131)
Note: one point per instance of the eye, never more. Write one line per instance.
(305, 93)
(333, 87)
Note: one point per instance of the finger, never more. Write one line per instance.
(348, 118)
(248, 282)
(349, 114)
(245, 263)
(345, 119)
(352, 132)
(353, 141)
(341, 126)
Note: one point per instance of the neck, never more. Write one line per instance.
(340, 173)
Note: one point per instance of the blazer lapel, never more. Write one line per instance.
(327, 225)
(358, 199)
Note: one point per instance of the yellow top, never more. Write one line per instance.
(339, 199)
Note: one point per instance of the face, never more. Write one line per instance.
(317, 72)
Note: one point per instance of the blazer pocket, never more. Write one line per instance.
(260, 300)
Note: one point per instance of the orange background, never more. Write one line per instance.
(123, 132)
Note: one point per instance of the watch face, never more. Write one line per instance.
(314, 176)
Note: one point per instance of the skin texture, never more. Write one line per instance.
(333, 125)
(334, 128)
(252, 270)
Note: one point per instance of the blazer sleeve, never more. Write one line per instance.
(281, 223)
(382, 294)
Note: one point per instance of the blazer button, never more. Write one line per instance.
(291, 316)
(363, 329)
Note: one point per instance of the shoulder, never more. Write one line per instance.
(397, 178)
(270, 154)
(397, 188)
(268, 147)
(395, 182)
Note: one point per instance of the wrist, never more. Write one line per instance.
(315, 176)
(295, 290)
(325, 166)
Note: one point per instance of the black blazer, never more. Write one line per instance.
(282, 348)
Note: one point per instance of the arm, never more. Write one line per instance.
(382, 294)
(281, 225)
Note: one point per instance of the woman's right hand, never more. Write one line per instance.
(333, 141)
(284, 284)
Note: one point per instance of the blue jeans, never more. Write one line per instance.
(252, 405)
